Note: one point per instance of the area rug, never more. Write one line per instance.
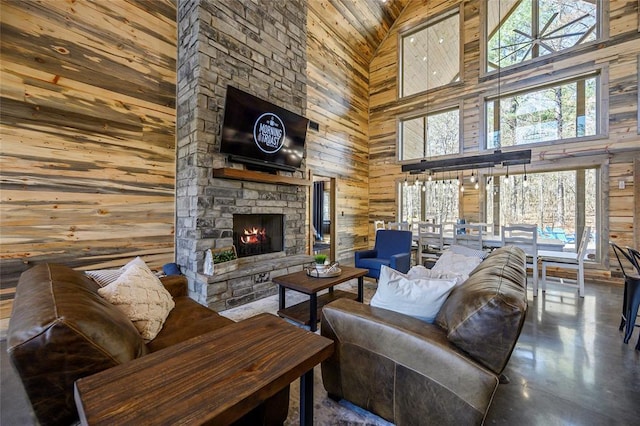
(326, 411)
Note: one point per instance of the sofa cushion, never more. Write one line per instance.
(61, 330)
(484, 315)
(142, 297)
(418, 297)
(186, 320)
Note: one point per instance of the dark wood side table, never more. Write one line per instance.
(214, 378)
(308, 313)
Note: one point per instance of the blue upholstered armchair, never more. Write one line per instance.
(392, 248)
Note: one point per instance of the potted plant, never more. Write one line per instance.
(321, 261)
(223, 259)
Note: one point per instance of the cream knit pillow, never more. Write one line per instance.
(142, 297)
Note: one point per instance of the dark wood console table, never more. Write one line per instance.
(214, 378)
(308, 313)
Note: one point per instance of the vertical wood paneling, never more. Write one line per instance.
(88, 141)
(338, 100)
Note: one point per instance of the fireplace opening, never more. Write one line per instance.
(255, 234)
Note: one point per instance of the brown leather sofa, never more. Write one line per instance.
(411, 372)
(61, 329)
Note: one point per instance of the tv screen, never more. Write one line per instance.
(257, 132)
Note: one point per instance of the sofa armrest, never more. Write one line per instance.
(401, 262)
(401, 368)
(363, 254)
(176, 285)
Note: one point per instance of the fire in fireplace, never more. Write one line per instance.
(255, 234)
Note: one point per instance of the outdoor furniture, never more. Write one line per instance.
(525, 237)
(566, 260)
(392, 248)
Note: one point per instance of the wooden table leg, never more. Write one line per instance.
(360, 289)
(313, 312)
(306, 399)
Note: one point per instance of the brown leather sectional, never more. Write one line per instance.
(411, 372)
(61, 329)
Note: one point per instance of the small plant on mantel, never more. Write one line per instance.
(320, 259)
(224, 256)
(224, 259)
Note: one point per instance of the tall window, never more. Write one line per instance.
(435, 201)
(561, 203)
(430, 135)
(532, 28)
(562, 111)
(430, 56)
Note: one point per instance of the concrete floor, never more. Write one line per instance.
(570, 367)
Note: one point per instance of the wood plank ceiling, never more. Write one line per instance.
(361, 24)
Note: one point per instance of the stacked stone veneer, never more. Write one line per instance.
(260, 48)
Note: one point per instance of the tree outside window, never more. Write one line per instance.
(561, 203)
(435, 201)
(563, 111)
(431, 135)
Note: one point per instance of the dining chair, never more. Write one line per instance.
(430, 242)
(466, 234)
(525, 237)
(378, 224)
(566, 260)
(632, 294)
(398, 226)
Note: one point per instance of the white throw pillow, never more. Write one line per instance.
(420, 298)
(419, 271)
(142, 297)
(468, 251)
(459, 264)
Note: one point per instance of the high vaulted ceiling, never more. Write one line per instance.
(361, 24)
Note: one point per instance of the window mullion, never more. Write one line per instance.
(535, 28)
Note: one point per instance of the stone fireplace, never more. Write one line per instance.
(260, 48)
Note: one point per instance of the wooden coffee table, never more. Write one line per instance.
(308, 312)
(214, 378)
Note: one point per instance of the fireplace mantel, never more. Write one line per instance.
(240, 174)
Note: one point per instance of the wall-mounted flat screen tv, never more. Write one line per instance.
(259, 133)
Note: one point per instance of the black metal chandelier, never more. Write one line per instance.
(498, 157)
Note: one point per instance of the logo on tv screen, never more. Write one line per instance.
(269, 133)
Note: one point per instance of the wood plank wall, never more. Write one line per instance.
(88, 134)
(337, 99)
(617, 55)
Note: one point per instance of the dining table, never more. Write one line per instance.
(492, 241)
